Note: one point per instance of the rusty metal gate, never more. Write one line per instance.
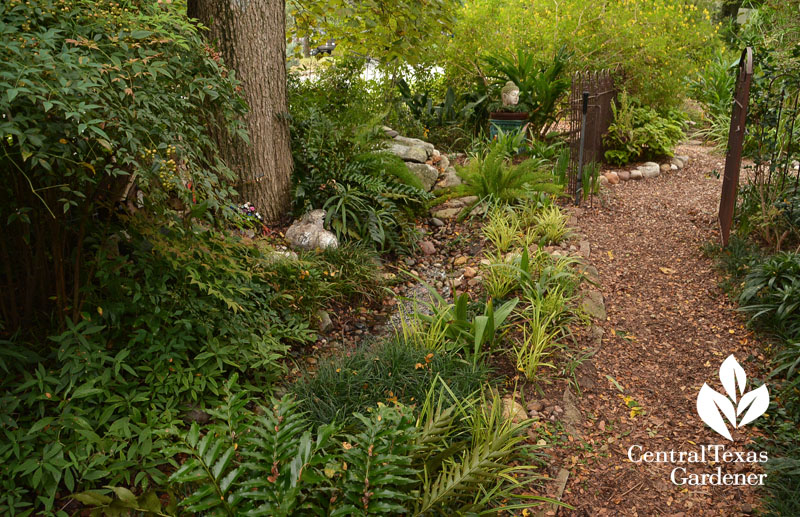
(601, 93)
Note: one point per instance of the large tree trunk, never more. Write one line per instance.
(251, 37)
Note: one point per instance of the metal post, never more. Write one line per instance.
(579, 186)
(733, 159)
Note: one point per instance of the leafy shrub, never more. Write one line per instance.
(394, 371)
(641, 132)
(540, 85)
(493, 179)
(368, 195)
(501, 228)
(105, 111)
(174, 312)
(653, 45)
(771, 294)
(273, 462)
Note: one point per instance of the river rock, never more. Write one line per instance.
(650, 170)
(624, 175)
(612, 177)
(309, 233)
(636, 174)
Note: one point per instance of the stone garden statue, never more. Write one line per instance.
(510, 94)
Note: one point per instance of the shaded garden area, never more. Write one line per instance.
(295, 258)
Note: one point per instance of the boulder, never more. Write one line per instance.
(415, 142)
(427, 174)
(612, 177)
(650, 170)
(443, 163)
(450, 178)
(408, 153)
(309, 233)
(624, 175)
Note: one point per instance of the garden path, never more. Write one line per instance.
(668, 329)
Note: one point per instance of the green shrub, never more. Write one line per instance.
(274, 462)
(771, 294)
(493, 179)
(641, 132)
(653, 45)
(171, 314)
(368, 195)
(105, 111)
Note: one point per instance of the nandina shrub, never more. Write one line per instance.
(104, 106)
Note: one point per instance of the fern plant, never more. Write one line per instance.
(494, 179)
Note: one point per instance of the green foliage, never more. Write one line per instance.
(551, 225)
(653, 45)
(394, 371)
(492, 178)
(501, 228)
(174, 312)
(368, 195)
(272, 462)
(641, 132)
(104, 104)
(771, 294)
(389, 30)
(541, 85)
(539, 335)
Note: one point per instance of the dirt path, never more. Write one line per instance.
(669, 328)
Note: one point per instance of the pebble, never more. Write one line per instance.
(427, 247)
(470, 272)
(437, 222)
(460, 261)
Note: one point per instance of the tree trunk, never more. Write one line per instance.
(251, 36)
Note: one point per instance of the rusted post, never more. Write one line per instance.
(733, 158)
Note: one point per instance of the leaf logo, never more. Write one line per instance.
(713, 405)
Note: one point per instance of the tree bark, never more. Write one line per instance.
(251, 36)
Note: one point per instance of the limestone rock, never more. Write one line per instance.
(415, 142)
(513, 410)
(446, 213)
(323, 321)
(450, 178)
(427, 174)
(309, 233)
(593, 305)
(408, 153)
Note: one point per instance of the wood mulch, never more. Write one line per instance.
(669, 327)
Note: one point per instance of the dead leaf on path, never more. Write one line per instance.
(667, 270)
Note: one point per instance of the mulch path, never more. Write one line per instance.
(669, 327)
